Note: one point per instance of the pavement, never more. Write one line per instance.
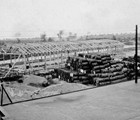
(113, 102)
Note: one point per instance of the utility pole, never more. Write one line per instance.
(136, 55)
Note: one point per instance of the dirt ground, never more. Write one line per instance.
(25, 91)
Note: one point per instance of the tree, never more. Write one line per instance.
(18, 40)
(50, 39)
(75, 35)
(70, 34)
(61, 32)
(114, 37)
(17, 35)
(43, 37)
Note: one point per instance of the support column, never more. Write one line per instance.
(98, 50)
(14, 58)
(24, 56)
(61, 58)
(10, 58)
(136, 55)
(45, 66)
(38, 60)
(31, 63)
(3, 59)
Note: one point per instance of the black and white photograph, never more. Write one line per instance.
(69, 60)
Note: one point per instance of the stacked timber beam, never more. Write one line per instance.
(97, 69)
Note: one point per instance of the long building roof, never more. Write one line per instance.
(50, 47)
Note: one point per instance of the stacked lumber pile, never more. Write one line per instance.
(72, 76)
(97, 69)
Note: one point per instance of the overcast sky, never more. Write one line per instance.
(32, 17)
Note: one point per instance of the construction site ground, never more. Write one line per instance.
(113, 102)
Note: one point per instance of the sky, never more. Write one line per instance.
(34, 17)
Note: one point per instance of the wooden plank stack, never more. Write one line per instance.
(97, 69)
